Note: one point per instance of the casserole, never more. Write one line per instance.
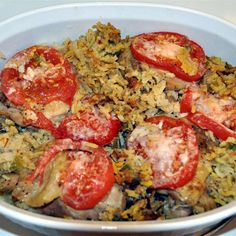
(43, 26)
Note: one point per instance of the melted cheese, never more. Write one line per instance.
(166, 150)
(79, 167)
(165, 49)
(78, 131)
(98, 125)
(30, 115)
(30, 74)
(212, 106)
(55, 108)
(17, 62)
(10, 91)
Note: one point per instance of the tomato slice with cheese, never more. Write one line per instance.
(204, 122)
(209, 112)
(38, 75)
(91, 126)
(172, 52)
(88, 179)
(171, 146)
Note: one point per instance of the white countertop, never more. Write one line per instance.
(224, 9)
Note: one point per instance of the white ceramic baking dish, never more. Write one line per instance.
(54, 24)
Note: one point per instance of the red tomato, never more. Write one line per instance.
(204, 122)
(171, 146)
(217, 115)
(38, 75)
(88, 179)
(40, 121)
(186, 102)
(161, 50)
(90, 126)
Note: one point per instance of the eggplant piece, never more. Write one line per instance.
(38, 196)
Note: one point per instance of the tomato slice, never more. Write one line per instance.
(172, 52)
(209, 112)
(38, 75)
(91, 126)
(171, 146)
(205, 122)
(88, 179)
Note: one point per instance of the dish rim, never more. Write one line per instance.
(209, 217)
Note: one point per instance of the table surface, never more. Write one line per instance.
(224, 9)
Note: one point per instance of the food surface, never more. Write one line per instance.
(118, 129)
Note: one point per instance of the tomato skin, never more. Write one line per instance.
(168, 122)
(17, 97)
(204, 122)
(90, 126)
(50, 55)
(31, 82)
(184, 142)
(186, 102)
(170, 64)
(42, 122)
(85, 183)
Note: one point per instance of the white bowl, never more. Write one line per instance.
(54, 24)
